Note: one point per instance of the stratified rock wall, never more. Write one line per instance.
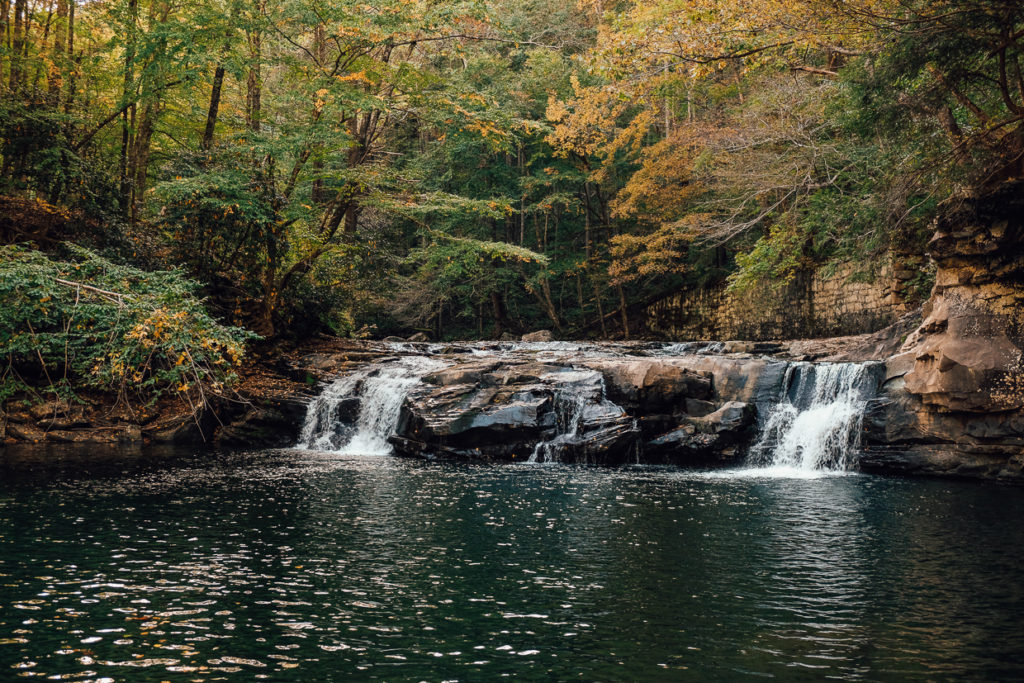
(954, 397)
(814, 304)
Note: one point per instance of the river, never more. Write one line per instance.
(299, 565)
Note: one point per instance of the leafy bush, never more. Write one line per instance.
(88, 322)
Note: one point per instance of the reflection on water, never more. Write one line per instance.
(303, 566)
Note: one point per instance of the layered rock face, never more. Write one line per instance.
(606, 411)
(953, 401)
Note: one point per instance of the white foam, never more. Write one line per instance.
(381, 390)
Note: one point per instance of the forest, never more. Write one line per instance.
(183, 179)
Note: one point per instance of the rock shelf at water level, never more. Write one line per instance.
(596, 404)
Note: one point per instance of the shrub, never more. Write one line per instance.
(90, 323)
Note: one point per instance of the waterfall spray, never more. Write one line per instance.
(816, 424)
(380, 391)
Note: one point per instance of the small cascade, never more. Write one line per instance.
(357, 413)
(578, 401)
(816, 424)
(569, 411)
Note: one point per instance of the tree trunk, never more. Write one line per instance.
(5, 37)
(128, 115)
(319, 194)
(70, 99)
(622, 310)
(55, 80)
(211, 115)
(549, 305)
(140, 156)
(579, 296)
(498, 310)
(254, 83)
(17, 43)
(600, 306)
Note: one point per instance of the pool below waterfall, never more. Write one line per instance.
(299, 565)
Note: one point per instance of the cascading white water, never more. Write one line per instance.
(816, 424)
(380, 391)
(582, 396)
(569, 409)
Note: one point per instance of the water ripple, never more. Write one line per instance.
(301, 566)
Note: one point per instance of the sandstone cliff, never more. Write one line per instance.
(953, 400)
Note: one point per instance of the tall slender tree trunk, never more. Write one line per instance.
(128, 116)
(622, 310)
(17, 43)
(544, 294)
(140, 156)
(55, 81)
(498, 310)
(254, 82)
(600, 306)
(5, 37)
(319, 195)
(71, 62)
(40, 64)
(211, 113)
(159, 13)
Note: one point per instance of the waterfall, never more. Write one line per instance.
(581, 397)
(816, 424)
(377, 392)
(569, 411)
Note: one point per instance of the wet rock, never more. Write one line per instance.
(266, 422)
(698, 408)
(419, 337)
(749, 380)
(652, 385)
(467, 373)
(539, 336)
(23, 432)
(504, 411)
(717, 438)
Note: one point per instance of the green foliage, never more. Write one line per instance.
(88, 322)
(220, 222)
(477, 166)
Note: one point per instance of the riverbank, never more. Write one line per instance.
(693, 405)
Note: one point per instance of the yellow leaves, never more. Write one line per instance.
(354, 77)
(664, 185)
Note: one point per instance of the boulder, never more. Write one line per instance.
(539, 336)
(652, 385)
(509, 411)
(715, 439)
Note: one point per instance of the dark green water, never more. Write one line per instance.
(297, 566)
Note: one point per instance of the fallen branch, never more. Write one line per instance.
(818, 72)
(117, 296)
